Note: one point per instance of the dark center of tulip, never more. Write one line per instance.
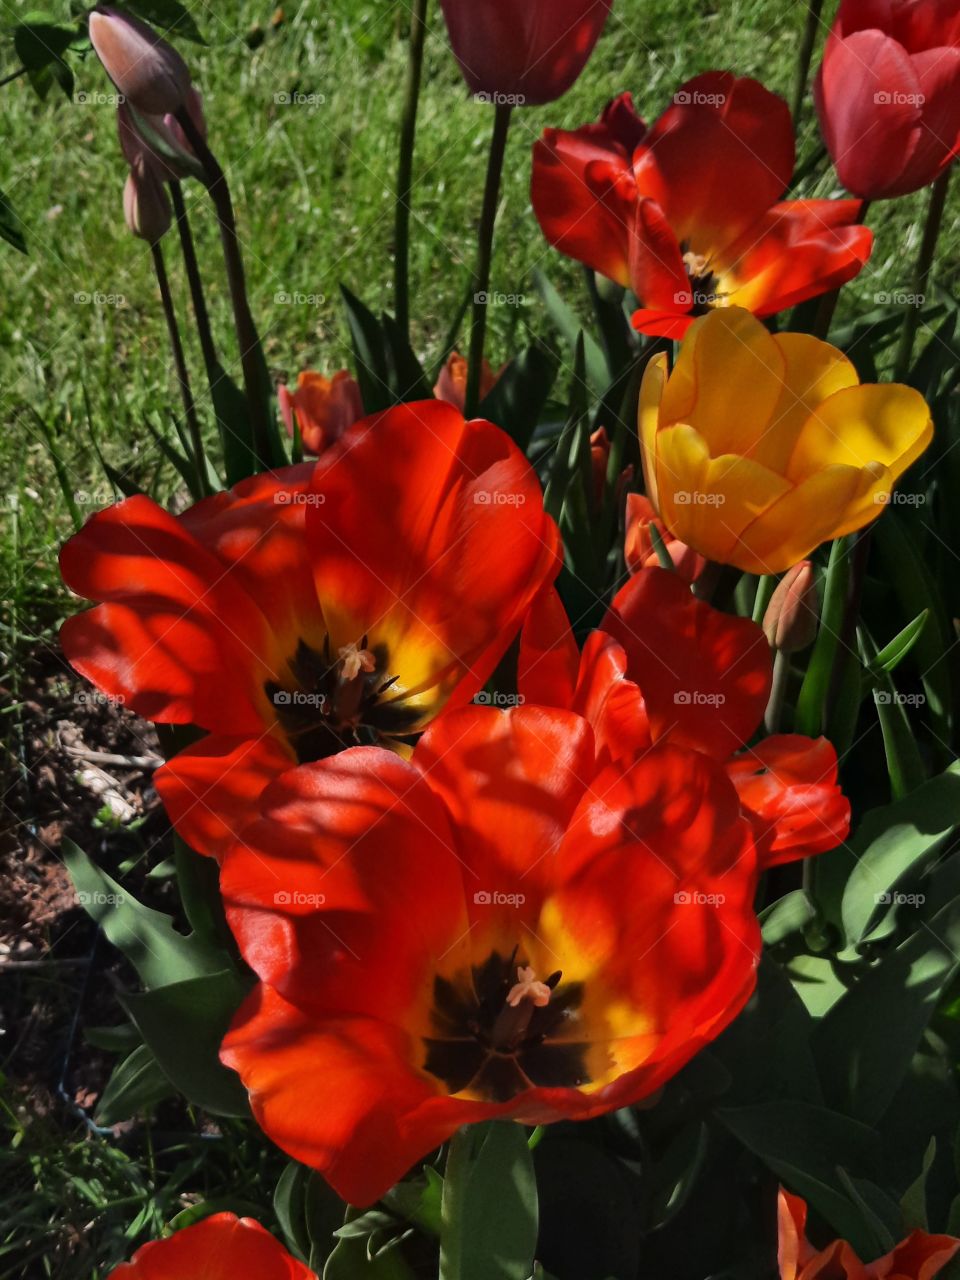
(499, 1031)
(338, 701)
(704, 285)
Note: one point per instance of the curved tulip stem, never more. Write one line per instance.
(180, 365)
(481, 278)
(928, 247)
(194, 279)
(451, 1204)
(257, 393)
(814, 10)
(408, 130)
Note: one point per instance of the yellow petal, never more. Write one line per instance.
(814, 370)
(707, 502)
(826, 505)
(889, 424)
(648, 419)
(726, 382)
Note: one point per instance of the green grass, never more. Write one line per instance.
(313, 187)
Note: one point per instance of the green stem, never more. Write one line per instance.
(195, 281)
(180, 365)
(828, 303)
(481, 278)
(778, 690)
(766, 586)
(814, 10)
(257, 394)
(14, 75)
(928, 247)
(408, 131)
(451, 1204)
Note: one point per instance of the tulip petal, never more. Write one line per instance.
(652, 387)
(212, 790)
(856, 426)
(704, 675)
(938, 143)
(351, 869)
(657, 274)
(410, 567)
(788, 791)
(220, 1247)
(548, 661)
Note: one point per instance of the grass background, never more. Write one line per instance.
(313, 185)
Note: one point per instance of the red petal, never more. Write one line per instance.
(549, 659)
(417, 506)
(919, 1257)
(609, 701)
(347, 889)
(704, 675)
(221, 1247)
(657, 273)
(212, 790)
(788, 790)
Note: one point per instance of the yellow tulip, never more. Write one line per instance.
(760, 446)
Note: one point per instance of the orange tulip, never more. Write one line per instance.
(451, 385)
(323, 407)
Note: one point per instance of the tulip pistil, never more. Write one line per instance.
(496, 1037)
(338, 702)
(704, 284)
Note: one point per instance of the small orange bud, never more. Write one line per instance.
(145, 204)
(147, 70)
(451, 385)
(790, 622)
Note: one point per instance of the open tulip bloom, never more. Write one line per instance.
(444, 940)
(313, 608)
(687, 213)
(757, 447)
(221, 1247)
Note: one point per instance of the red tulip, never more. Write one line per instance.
(451, 385)
(687, 213)
(888, 94)
(443, 941)
(638, 549)
(323, 407)
(221, 1247)
(523, 53)
(919, 1257)
(668, 668)
(312, 608)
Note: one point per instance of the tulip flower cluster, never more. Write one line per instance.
(468, 710)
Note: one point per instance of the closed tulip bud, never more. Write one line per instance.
(790, 622)
(147, 70)
(176, 160)
(145, 204)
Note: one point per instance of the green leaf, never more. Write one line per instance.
(804, 1145)
(135, 1084)
(904, 763)
(233, 424)
(170, 17)
(369, 349)
(569, 326)
(405, 373)
(913, 1203)
(350, 1260)
(517, 398)
(865, 1044)
(787, 916)
(39, 41)
(146, 937)
(200, 1009)
(892, 654)
(895, 840)
(11, 228)
(811, 704)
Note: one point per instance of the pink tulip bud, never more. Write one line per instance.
(147, 70)
(171, 164)
(145, 204)
(790, 622)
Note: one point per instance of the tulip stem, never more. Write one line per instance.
(481, 278)
(408, 131)
(254, 379)
(180, 365)
(778, 691)
(194, 280)
(814, 10)
(928, 247)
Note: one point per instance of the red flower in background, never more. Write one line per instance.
(324, 408)
(888, 94)
(687, 212)
(531, 52)
(221, 1247)
(317, 607)
(638, 549)
(919, 1257)
(451, 385)
(443, 941)
(665, 667)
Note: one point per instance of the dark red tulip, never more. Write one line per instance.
(523, 53)
(888, 94)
